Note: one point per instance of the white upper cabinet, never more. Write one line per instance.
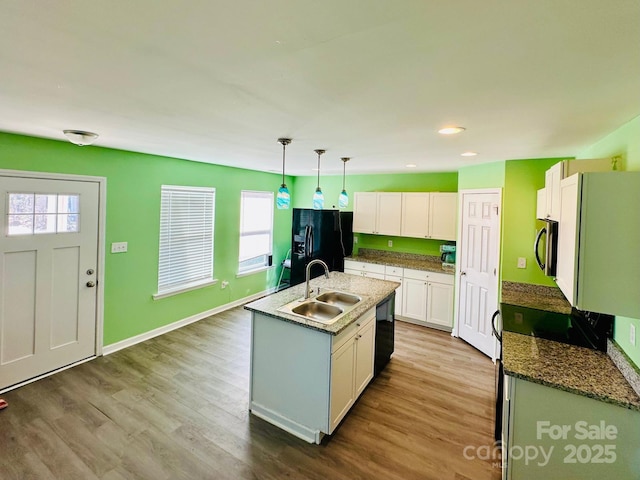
(377, 212)
(442, 215)
(388, 218)
(552, 179)
(549, 207)
(429, 215)
(415, 215)
(365, 211)
(598, 267)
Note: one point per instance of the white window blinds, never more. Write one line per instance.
(256, 230)
(186, 237)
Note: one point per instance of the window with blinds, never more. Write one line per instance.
(186, 238)
(256, 230)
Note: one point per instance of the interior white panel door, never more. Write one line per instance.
(48, 262)
(479, 247)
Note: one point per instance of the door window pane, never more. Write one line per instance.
(42, 213)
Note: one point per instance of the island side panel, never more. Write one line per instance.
(290, 376)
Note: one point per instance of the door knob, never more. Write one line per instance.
(463, 273)
(91, 284)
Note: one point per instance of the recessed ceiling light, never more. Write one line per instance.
(315, 169)
(469, 154)
(451, 130)
(411, 165)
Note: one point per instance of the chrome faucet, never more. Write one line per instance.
(307, 292)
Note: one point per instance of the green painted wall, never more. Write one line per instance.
(304, 187)
(523, 178)
(624, 141)
(133, 210)
(484, 175)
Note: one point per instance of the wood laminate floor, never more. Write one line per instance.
(176, 407)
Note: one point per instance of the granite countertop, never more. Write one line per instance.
(371, 290)
(429, 263)
(579, 370)
(535, 296)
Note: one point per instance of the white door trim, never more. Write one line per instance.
(102, 216)
(456, 306)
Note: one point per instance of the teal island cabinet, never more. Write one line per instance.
(309, 368)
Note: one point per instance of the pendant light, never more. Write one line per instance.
(343, 199)
(318, 197)
(283, 200)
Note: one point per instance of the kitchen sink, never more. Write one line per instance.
(321, 312)
(339, 299)
(326, 308)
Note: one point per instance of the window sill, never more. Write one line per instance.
(186, 288)
(251, 272)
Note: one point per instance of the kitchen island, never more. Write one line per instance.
(306, 374)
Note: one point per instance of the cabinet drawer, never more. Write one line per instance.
(428, 276)
(363, 266)
(344, 336)
(397, 271)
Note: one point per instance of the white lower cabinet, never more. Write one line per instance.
(415, 299)
(352, 360)
(428, 298)
(423, 297)
(364, 269)
(440, 304)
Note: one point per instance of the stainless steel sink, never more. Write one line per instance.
(321, 312)
(340, 299)
(327, 308)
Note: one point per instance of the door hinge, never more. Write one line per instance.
(494, 272)
(495, 207)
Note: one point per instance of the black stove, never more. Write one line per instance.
(584, 329)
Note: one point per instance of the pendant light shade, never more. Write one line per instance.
(283, 200)
(343, 199)
(318, 196)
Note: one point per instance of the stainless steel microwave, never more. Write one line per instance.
(547, 239)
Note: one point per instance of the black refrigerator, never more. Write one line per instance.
(323, 234)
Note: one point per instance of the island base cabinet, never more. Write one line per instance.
(550, 434)
(351, 366)
(304, 380)
(342, 382)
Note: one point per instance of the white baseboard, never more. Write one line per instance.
(128, 342)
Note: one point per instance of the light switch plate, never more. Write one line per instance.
(390, 243)
(355, 239)
(522, 262)
(119, 247)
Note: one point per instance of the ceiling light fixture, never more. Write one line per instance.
(80, 137)
(469, 154)
(283, 200)
(318, 197)
(451, 130)
(343, 199)
(411, 165)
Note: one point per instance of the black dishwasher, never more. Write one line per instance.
(385, 326)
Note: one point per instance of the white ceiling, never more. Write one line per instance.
(220, 80)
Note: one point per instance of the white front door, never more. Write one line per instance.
(478, 252)
(48, 263)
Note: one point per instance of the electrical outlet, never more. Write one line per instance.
(522, 262)
(632, 334)
(224, 284)
(119, 247)
(355, 239)
(390, 243)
